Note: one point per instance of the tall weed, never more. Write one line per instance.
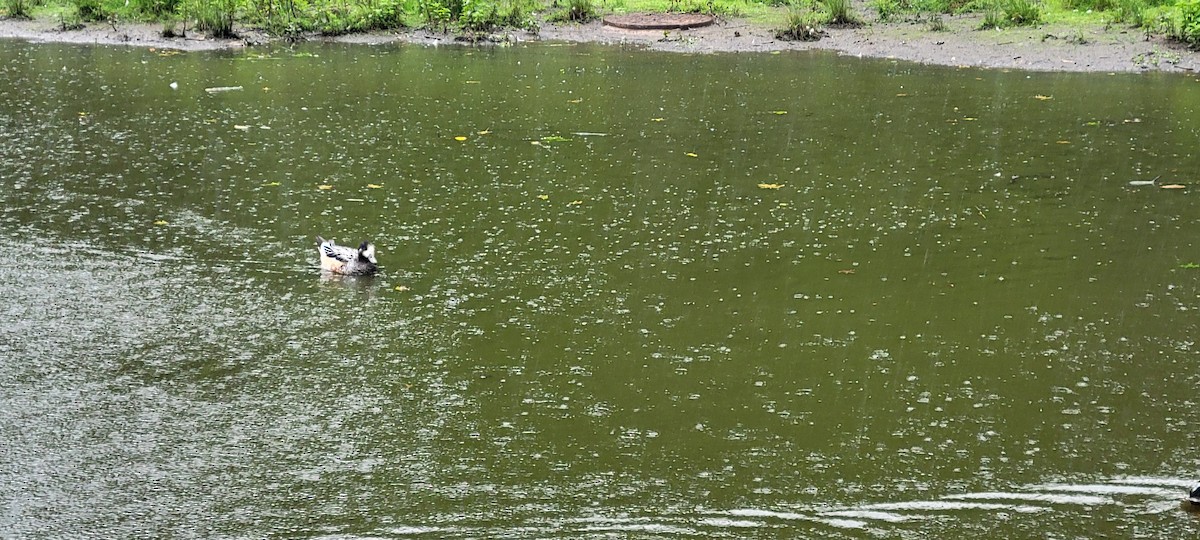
(840, 13)
(214, 17)
(801, 24)
(1188, 29)
(17, 9)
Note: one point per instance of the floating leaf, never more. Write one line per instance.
(575, 203)
(460, 138)
(400, 288)
(324, 187)
(902, 94)
(536, 143)
(1190, 266)
(219, 89)
(470, 82)
(1174, 186)
(544, 197)
(271, 184)
(1062, 142)
(1043, 98)
(161, 222)
(847, 272)
(580, 100)
(555, 138)
(691, 154)
(781, 113)
(373, 186)
(770, 186)
(657, 119)
(485, 132)
(241, 127)
(970, 118)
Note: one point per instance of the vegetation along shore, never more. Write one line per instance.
(1058, 35)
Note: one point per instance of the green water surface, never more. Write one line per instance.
(625, 294)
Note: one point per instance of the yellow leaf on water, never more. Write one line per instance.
(400, 288)
(161, 222)
(575, 100)
(574, 203)
(324, 186)
(460, 138)
(271, 184)
(373, 186)
(1062, 142)
(691, 154)
(1043, 98)
(901, 95)
(544, 197)
(657, 119)
(485, 132)
(770, 186)
(471, 82)
(779, 112)
(970, 118)
(536, 143)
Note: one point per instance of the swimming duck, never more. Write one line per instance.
(346, 260)
(1192, 501)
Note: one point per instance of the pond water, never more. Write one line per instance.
(624, 294)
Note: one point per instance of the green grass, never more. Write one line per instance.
(840, 13)
(1177, 19)
(18, 9)
(803, 23)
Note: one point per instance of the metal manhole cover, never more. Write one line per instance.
(659, 21)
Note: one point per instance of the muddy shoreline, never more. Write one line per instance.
(1044, 48)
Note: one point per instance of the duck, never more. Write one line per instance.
(1192, 501)
(346, 260)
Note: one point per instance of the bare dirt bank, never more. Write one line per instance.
(1044, 48)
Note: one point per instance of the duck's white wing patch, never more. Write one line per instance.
(335, 252)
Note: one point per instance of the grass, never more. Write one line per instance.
(802, 24)
(17, 9)
(1177, 19)
(840, 13)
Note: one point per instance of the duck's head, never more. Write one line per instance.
(366, 250)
